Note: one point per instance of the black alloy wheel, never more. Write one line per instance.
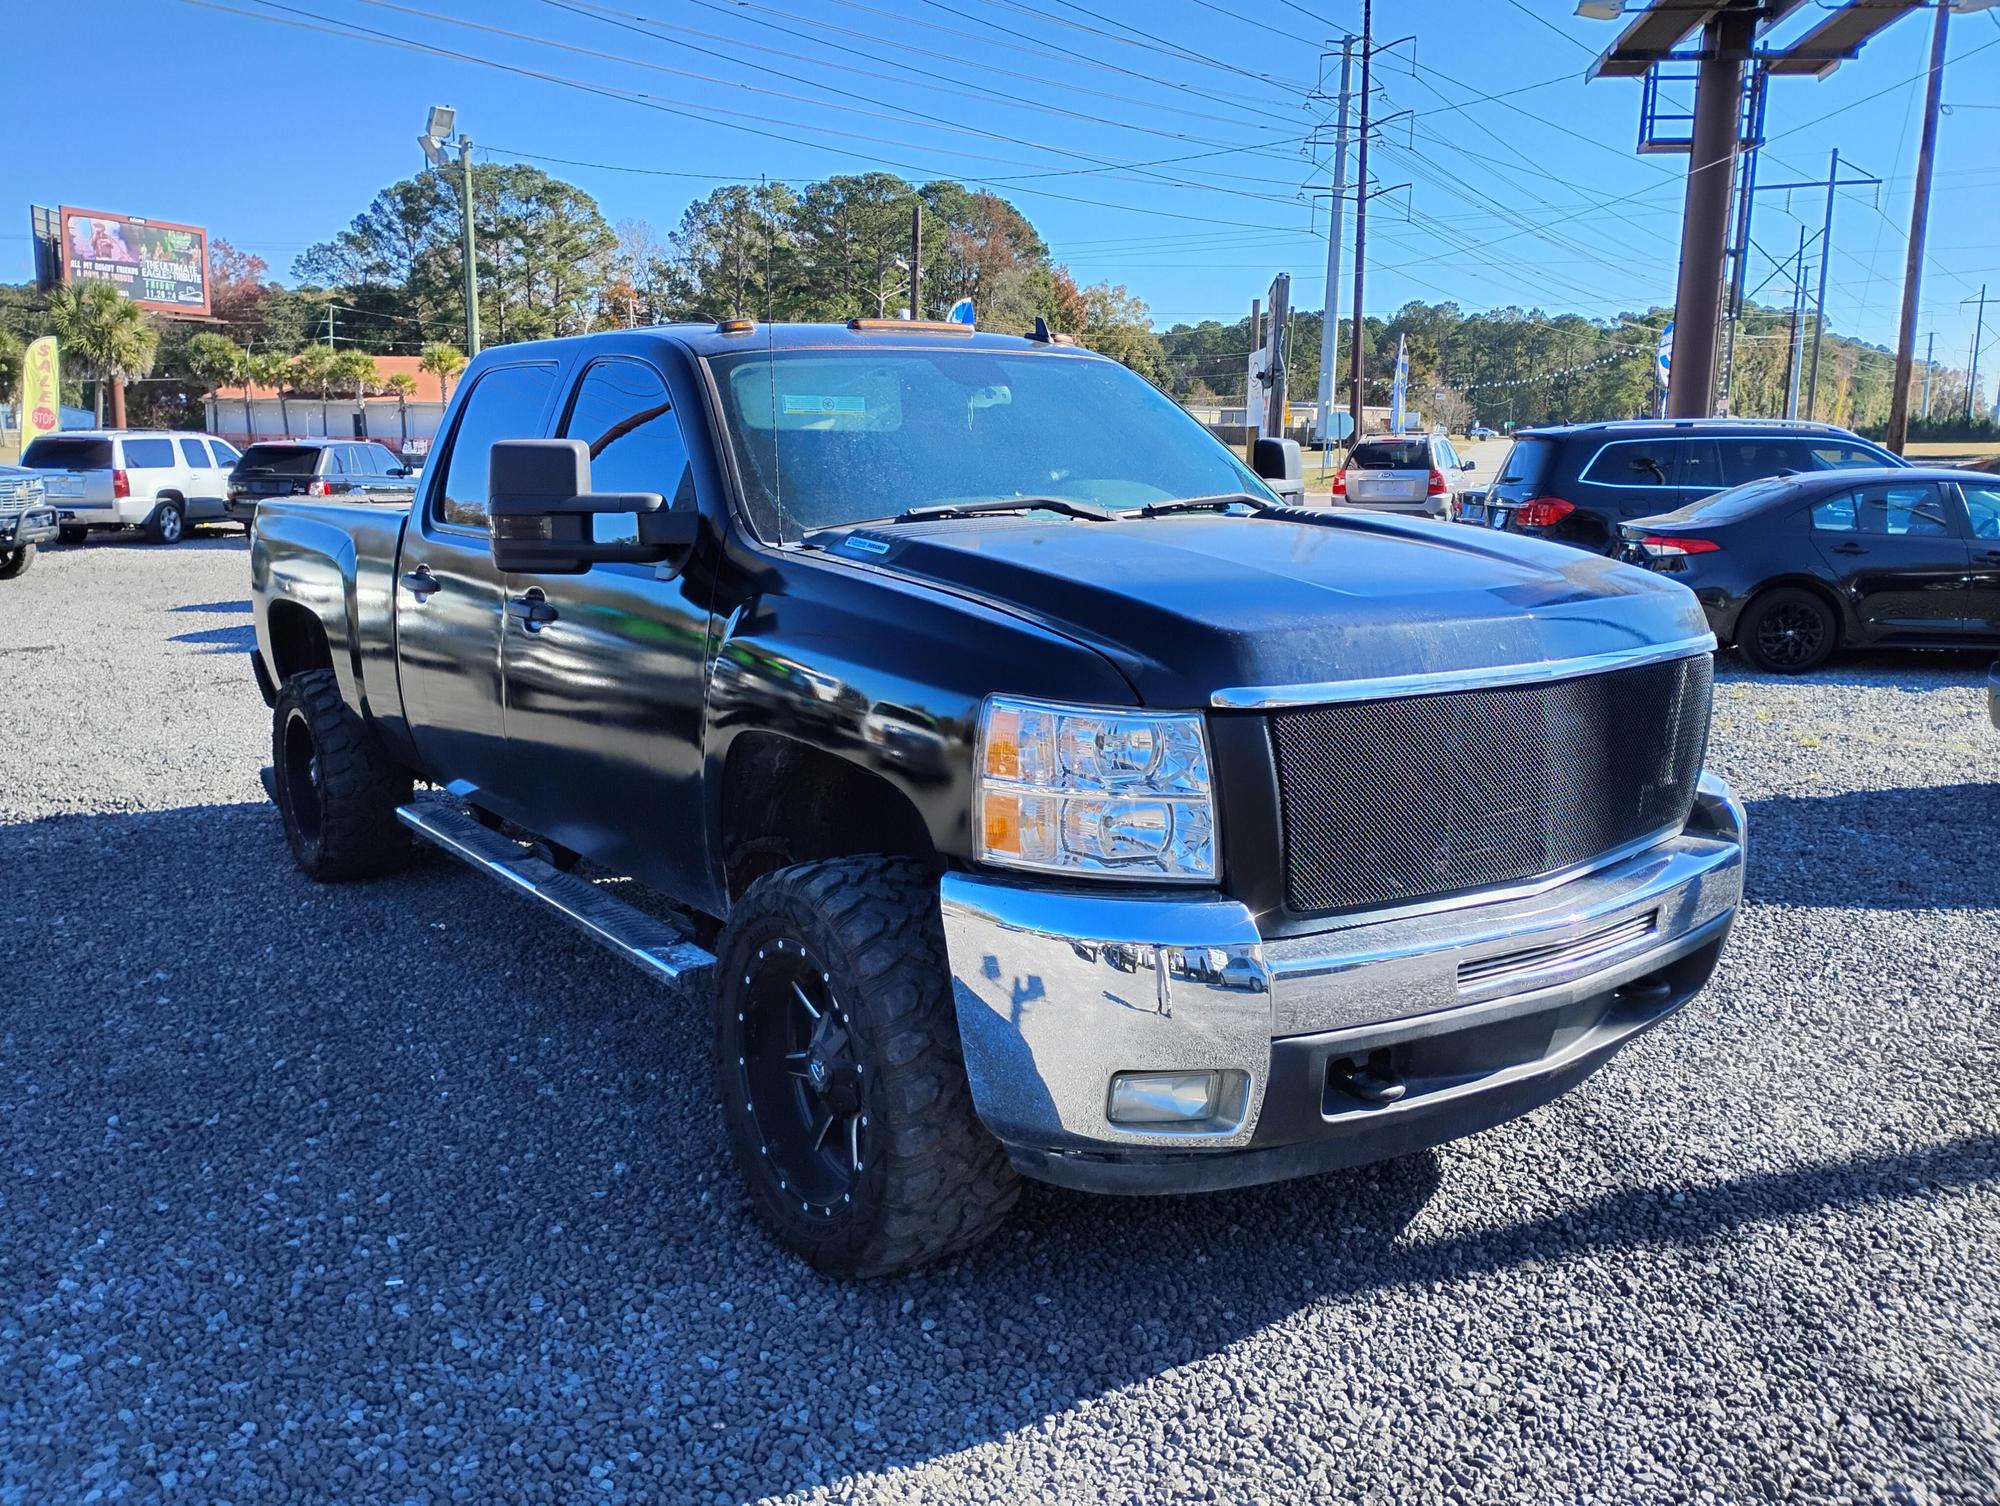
(802, 1078)
(1788, 632)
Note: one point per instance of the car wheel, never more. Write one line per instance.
(68, 535)
(16, 561)
(1788, 632)
(337, 788)
(167, 524)
(842, 1082)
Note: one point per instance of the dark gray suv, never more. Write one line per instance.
(1579, 483)
(350, 470)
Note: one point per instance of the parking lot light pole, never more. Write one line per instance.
(437, 132)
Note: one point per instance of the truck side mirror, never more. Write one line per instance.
(545, 516)
(1277, 461)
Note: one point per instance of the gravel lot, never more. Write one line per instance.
(401, 1193)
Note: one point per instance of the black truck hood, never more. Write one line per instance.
(1191, 604)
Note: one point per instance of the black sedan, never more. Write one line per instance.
(1793, 568)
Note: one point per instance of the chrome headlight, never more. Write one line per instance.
(1108, 793)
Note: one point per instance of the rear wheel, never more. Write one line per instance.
(843, 1086)
(69, 535)
(16, 561)
(1788, 631)
(337, 788)
(167, 524)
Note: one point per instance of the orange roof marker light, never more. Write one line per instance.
(735, 326)
(910, 326)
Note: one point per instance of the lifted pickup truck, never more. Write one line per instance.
(1044, 797)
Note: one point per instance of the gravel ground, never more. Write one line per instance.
(400, 1193)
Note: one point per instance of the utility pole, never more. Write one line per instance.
(1972, 373)
(1930, 346)
(471, 252)
(1739, 248)
(916, 259)
(1727, 40)
(1355, 338)
(1913, 267)
(1797, 361)
(1276, 349)
(1819, 302)
(1329, 335)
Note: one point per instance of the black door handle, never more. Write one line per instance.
(1849, 549)
(532, 610)
(1991, 556)
(421, 583)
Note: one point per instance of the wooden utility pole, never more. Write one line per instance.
(1913, 266)
(1972, 366)
(1356, 339)
(916, 259)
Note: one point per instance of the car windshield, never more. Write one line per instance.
(53, 453)
(824, 438)
(280, 459)
(1391, 455)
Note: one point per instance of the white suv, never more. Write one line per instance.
(156, 479)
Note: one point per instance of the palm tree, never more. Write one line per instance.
(403, 384)
(213, 359)
(313, 367)
(269, 369)
(109, 334)
(444, 362)
(357, 368)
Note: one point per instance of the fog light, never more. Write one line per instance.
(1162, 1097)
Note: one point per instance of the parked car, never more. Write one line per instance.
(1581, 483)
(1047, 799)
(1791, 569)
(1480, 431)
(26, 519)
(156, 479)
(1413, 473)
(353, 470)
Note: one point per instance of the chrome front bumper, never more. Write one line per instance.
(1058, 990)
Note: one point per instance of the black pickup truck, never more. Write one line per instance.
(1038, 795)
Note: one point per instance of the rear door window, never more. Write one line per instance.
(194, 454)
(1754, 457)
(1634, 462)
(54, 453)
(507, 403)
(148, 454)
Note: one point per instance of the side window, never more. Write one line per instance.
(148, 454)
(1634, 462)
(194, 454)
(1757, 458)
(330, 463)
(1840, 513)
(1701, 467)
(1915, 510)
(507, 403)
(1983, 503)
(622, 411)
(359, 461)
(226, 455)
(1834, 455)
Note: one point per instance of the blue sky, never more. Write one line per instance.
(1159, 145)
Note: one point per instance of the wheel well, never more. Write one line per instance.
(784, 803)
(169, 495)
(1798, 583)
(298, 642)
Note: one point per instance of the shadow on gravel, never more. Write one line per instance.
(1875, 669)
(1928, 847)
(237, 639)
(215, 608)
(400, 1191)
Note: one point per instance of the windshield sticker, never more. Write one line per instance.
(842, 404)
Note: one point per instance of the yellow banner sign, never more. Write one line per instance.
(41, 390)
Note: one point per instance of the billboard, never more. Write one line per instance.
(159, 266)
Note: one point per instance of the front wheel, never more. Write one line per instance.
(16, 561)
(843, 1086)
(1788, 632)
(337, 787)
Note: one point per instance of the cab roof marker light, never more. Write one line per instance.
(735, 326)
(910, 326)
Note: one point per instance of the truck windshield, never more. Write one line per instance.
(823, 438)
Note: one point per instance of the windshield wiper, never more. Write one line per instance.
(1062, 505)
(1199, 504)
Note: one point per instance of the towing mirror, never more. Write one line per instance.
(1277, 461)
(547, 521)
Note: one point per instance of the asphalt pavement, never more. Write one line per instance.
(401, 1193)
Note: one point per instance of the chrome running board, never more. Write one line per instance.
(643, 940)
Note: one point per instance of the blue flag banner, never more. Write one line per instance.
(1400, 392)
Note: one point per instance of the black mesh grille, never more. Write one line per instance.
(1393, 802)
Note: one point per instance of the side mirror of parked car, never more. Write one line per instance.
(547, 521)
(1467, 465)
(1277, 461)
